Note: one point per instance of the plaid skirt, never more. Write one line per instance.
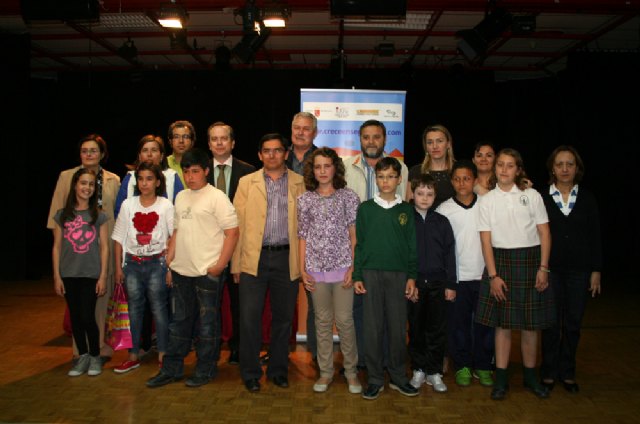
(525, 307)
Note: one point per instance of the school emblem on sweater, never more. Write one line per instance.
(524, 200)
(403, 218)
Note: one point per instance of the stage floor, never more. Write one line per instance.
(36, 354)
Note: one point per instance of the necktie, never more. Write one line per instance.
(221, 184)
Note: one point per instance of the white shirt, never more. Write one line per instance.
(387, 205)
(469, 259)
(130, 229)
(200, 220)
(512, 217)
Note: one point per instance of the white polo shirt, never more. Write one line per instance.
(512, 217)
(469, 259)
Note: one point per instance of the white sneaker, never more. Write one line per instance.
(418, 378)
(435, 380)
(95, 366)
(80, 366)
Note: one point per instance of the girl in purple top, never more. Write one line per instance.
(326, 228)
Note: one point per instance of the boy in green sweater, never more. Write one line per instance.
(384, 273)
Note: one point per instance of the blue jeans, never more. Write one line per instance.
(147, 280)
(194, 298)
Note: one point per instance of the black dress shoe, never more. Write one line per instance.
(571, 387)
(161, 380)
(197, 381)
(548, 385)
(234, 357)
(499, 393)
(539, 390)
(252, 384)
(281, 381)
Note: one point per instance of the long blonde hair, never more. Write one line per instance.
(449, 159)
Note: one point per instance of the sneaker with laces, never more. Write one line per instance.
(80, 367)
(484, 376)
(95, 366)
(463, 377)
(418, 378)
(435, 380)
(126, 366)
(372, 392)
(406, 389)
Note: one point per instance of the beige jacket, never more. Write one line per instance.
(250, 202)
(355, 175)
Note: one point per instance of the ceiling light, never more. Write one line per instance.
(412, 21)
(126, 20)
(275, 16)
(172, 16)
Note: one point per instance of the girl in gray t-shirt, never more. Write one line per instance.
(80, 254)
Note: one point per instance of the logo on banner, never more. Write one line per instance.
(374, 112)
(390, 113)
(341, 112)
(316, 113)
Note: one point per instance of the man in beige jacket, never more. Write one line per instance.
(266, 257)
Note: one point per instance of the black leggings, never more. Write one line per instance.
(80, 294)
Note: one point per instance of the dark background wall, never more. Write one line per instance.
(592, 105)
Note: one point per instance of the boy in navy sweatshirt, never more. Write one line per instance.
(436, 285)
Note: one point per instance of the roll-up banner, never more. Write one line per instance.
(341, 112)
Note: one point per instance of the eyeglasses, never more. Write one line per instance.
(276, 151)
(89, 151)
(386, 177)
(183, 136)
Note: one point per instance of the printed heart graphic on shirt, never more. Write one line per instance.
(145, 223)
(77, 234)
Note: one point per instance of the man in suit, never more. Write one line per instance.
(225, 174)
(266, 257)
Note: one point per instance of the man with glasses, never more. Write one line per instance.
(266, 257)
(361, 178)
(225, 174)
(182, 137)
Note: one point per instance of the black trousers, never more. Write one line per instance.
(428, 327)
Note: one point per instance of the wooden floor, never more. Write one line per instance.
(35, 358)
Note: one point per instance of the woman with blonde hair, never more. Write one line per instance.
(438, 161)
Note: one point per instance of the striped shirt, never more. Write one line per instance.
(276, 228)
(565, 208)
(372, 188)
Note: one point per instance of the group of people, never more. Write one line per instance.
(476, 254)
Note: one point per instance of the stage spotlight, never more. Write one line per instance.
(173, 16)
(475, 42)
(128, 50)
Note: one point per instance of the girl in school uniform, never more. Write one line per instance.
(80, 263)
(516, 242)
(141, 234)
